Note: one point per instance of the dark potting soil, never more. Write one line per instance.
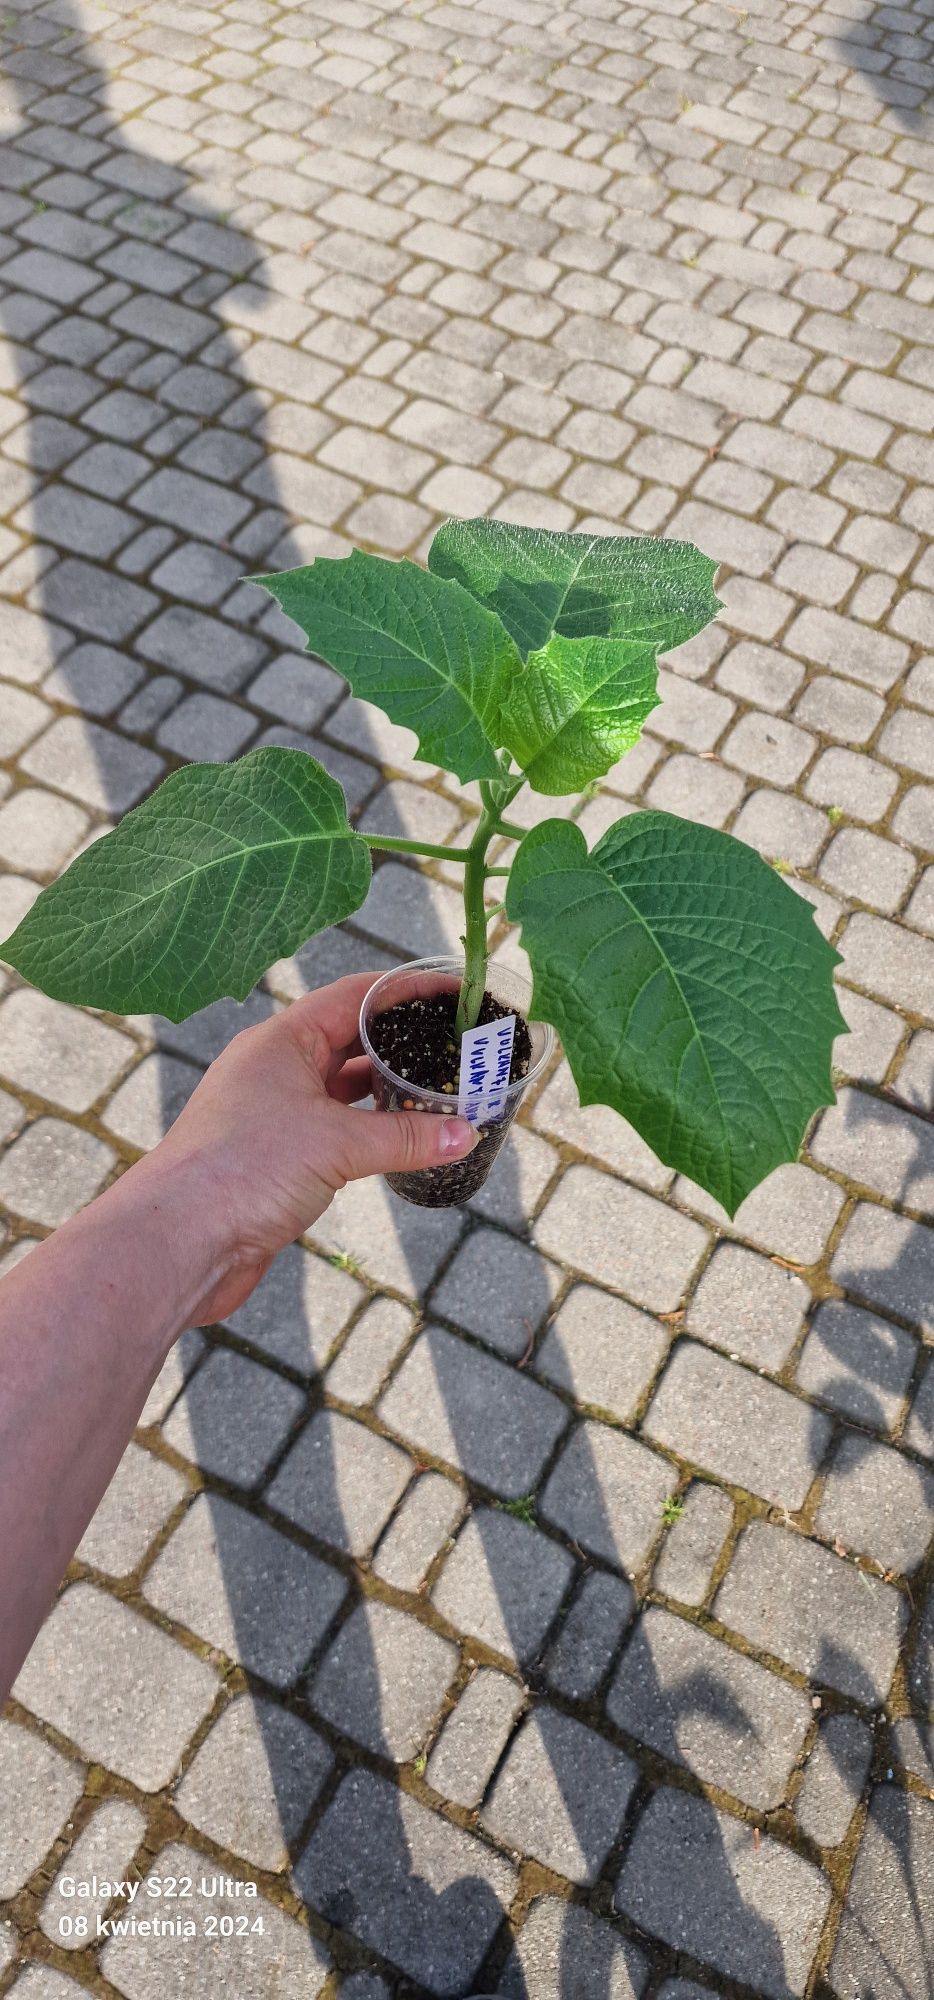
(417, 1040)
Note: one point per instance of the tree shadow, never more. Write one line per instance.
(895, 62)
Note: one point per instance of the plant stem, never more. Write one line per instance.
(394, 846)
(496, 795)
(511, 831)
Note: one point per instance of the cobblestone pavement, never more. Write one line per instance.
(389, 1609)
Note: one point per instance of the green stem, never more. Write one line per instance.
(511, 831)
(393, 846)
(476, 950)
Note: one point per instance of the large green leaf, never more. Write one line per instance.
(650, 592)
(577, 707)
(223, 870)
(419, 646)
(690, 986)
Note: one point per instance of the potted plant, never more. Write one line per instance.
(690, 986)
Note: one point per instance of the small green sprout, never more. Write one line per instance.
(672, 1509)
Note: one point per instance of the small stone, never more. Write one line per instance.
(590, 1634)
(471, 1742)
(700, 1704)
(384, 1680)
(581, 1786)
(254, 1781)
(693, 1544)
(38, 1790)
(428, 1515)
(91, 1673)
(138, 1501)
(233, 1417)
(885, 1944)
(105, 1848)
(407, 1883)
(696, 1878)
(607, 1492)
(561, 1943)
(789, 1597)
(246, 1589)
(503, 1583)
(834, 1776)
(341, 1482)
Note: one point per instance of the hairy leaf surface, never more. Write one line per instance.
(652, 593)
(419, 646)
(690, 986)
(579, 705)
(223, 870)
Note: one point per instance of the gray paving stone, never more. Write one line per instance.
(174, 1372)
(834, 1776)
(52, 1170)
(39, 1790)
(749, 1306)
(561, 1942)
(858, 1363)
(596, 1130)
(285, 1958)
(503, 1583)
(703, 1705)
(607, 1492)
(254, 1781)
(137, 1503)
(298, 1310)
(407, 1883)
(92, 764)
(246, 1589)
(105, 1848)
(397, 1245)
(581, 1786)
(878, 1503)
(919, 1430)
(153, 1096)
(694, 1878)
(57, 1052)
(233, 1417)
(341, 1482)
(498, 1289)
(590, 1634)
(791, 1214)
(888, 1261)
(90, 1674)
(912, 1746)
(879, 1146)
(472, 1740)
(732, 1423)
(212, 652)
(40, 1982)
(788, 1597)
(886, 1936)
(384, 1679)
(693, 1544)
(470, 1410)
(602, 1351)
(207, 730)
(362, 1364)
(427, 1517)
(39, 831)
(621, 1237)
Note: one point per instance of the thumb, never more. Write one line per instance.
(400, 1142)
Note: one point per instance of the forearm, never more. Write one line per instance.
(86, 1321)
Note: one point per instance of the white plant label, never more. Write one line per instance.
(486, 1056)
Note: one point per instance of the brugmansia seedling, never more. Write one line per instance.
(689, 984)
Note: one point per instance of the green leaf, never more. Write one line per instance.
(578, 706)
(420, 647)
(223, 870)
(690, 986)
(650, 592)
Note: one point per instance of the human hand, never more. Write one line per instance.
(272, 1132)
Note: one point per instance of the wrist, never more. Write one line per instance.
(185, 1243)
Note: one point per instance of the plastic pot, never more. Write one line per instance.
(449, 1185)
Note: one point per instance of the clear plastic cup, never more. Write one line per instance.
(448, 1185)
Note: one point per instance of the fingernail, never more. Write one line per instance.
(456, 1136)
